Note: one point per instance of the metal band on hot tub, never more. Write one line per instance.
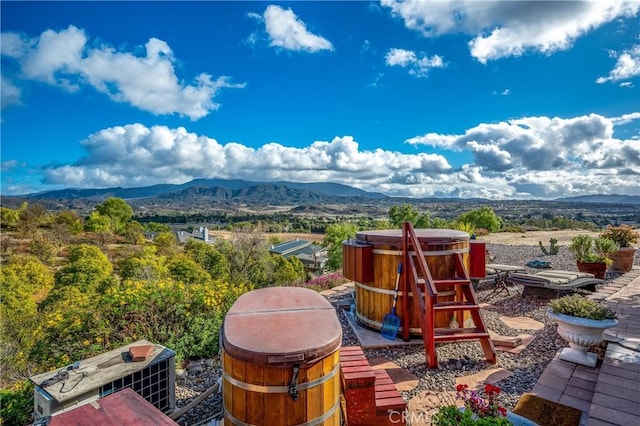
(426, 253)
(400, 293)
(313, 422)
(280, 389)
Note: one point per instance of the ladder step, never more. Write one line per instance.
(453, 281)
(452, 334)
(455, 306)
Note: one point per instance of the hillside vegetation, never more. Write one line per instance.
(75, 286)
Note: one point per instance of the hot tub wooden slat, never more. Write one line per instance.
(374, 299)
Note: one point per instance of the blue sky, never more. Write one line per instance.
(504, 100)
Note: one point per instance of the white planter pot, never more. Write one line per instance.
(581, 333)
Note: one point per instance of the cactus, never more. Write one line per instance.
(553, 247)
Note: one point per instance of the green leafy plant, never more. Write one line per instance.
(17, 404)
(605, 247)
(477, 410)
(553, 247)
(576, 305)
(624, 235)
(467, 227)
(592, 250)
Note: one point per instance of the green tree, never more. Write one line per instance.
(118, 212)
(185, 270)
(157, 227)
(333, 238)
(33, 216)
(483, 217)
(247, 253)
(9, 217)
(403, 213)
(287, 271)
(99, 224)
(70, 220)
(70, 329)
(134, 232)
(407, 213)
(87, 269)
(145, 264)
(43, 248)
(166, 242)
(440, 223)
(24, 282)
(210, 258)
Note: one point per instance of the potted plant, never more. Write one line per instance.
(581, 322)
(592, 254)
(477, 410)
(625, 236)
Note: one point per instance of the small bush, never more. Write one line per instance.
(17, 404)
(480, 232)
(325, 282)
(581, 307)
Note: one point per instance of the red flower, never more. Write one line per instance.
(474, 402)
(461, 388)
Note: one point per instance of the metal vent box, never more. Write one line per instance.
(153, 379)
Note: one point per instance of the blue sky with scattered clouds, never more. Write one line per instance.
(496, 99)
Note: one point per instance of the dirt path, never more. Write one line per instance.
(531, 238)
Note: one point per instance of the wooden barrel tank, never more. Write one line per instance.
(375, 255)
(280, 349)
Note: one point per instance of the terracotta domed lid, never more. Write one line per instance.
(281, 326)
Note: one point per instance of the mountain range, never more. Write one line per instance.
(234, 192)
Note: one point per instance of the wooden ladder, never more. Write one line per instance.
(417, 275)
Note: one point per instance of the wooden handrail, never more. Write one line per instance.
(412, 239)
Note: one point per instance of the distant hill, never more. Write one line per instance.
(164, 190)
(603, 199)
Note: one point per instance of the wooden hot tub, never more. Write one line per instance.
(371, 260)
(280, 348)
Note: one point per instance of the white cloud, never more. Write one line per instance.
(10, 94)
(135, 155)
(625, 118)
(418, 66)
(627, 66)
(522, 158)
(544, 149)
(501, 29)
(285, 30)
(8, 165)
(148, 82)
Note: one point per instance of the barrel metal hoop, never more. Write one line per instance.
(312, 422)
(376, 324)
(380, 290)
(426, 253)
(280, 389)
(392, 292)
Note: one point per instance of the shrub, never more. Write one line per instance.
(624, 235)
(577, 306)
(17, 404)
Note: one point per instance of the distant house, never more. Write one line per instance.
(201, 234)
(312, 256)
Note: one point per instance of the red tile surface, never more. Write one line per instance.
(123, 408)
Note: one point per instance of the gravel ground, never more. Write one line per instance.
(455, 359)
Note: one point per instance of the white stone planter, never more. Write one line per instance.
(581, 333)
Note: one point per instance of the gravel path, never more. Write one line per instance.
(455, 359)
